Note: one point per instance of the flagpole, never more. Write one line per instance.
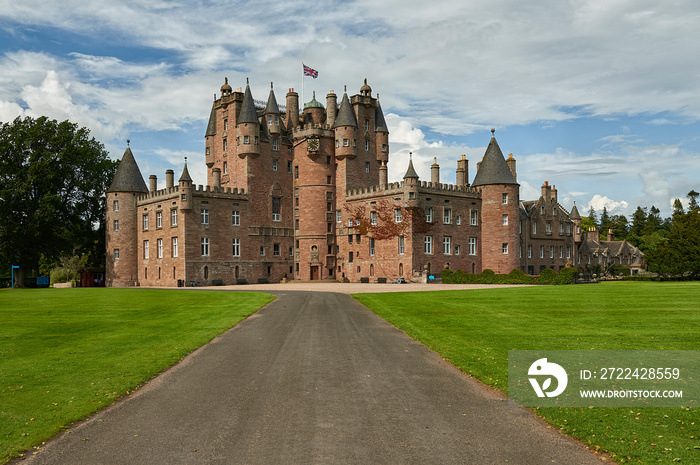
(302, 85)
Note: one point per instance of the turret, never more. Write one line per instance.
(383, 175)
(121, 235)
(248, 127)
(345, 127)
(186, 189)
(271, 114)
(314, 112)
(576, 218)
(331, 108)
(410, 182)
(292, 109)
(435, 172)
(381, 134)
(216, 176)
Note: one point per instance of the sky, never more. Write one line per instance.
(598, 97)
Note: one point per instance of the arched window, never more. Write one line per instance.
(400, 269)
(371, 269)
(206, 272)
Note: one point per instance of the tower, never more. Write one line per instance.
(122, 223)
(500, 211)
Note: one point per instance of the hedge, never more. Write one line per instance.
(548, 276)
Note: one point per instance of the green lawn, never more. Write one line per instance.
(475, 330)
(65, 353)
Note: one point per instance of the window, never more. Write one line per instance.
(346, 142)
(205, 246)
(429, 215)
(520, 227)
(262, 250)
(568, 253)
(472, 246)
(366, 125)
(159, 244)
(145, 222)
(504, 199)
(173, 217)
(274, 145)
(358, 238)
(504, 218)
(256, 140)
(115, 206)
(401, 245)
(296, 172)
(367, 150)
(338, 216)
(373, 218)
(116, 254)
(146, 249)
(236, 218)
(173, 246)
(561, 229)
(159, 220)
(371, 246)
(548, 228)
(276, 209)
(529, 251)
(384, 148)
(504, 247)
(350, 257)
(447, 215)
(116, 225)
(447, 245)
(205, 216)
(456, 250)
(276, 250)
(534, 228)
(568, 230)
(541, 251)
(225, 144)
(349, 222)
(551, 251)
(289, 167)
(459, 220)
(225, 124)
(236, 247)
(367, 163)
(328, 179)
(349, 238)
(291, 253)
(246, 139)
(274, 165)
(354, 142)
(428, 245)
(561, 251)
(475, 217)
(397, 215)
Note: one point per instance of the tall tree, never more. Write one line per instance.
(654, 221)
(693, 201)
(605, 222)
(592, 216)
(52, 182)
(678, 208)
(639, 221)
(620, 227)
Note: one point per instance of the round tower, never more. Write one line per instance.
(345, 127)
(292, 109)
(331, 108)
(314, 112)
(381, 134)
(500, 211)
(121, 238)
(248, 127)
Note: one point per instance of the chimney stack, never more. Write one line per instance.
(435, 172)
(511, 164)
(383, 175)
(153, 183)
(462, 177)
(169, 178)
(216, 177)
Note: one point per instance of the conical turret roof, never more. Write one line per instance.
(185, 176)
(248, 113)
(379, 121)
(272, 107)
(575, 215)
(128, 176)
(211, 127)
(410, 172)
(493, 168)
(346, 117)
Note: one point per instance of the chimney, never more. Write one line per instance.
(169, 178)
(153, 183)
(511, 164)
(593, 234)
(610, 235)
(435, 172)
(331, 108)
(554, 193)
(383, 175)
(216, 177)
(462, 176)
(546, 191)
(292, 109)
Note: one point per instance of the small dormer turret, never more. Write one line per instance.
(248, 127)
(186, 189)
(271, 114)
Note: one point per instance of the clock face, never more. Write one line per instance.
(313, 144)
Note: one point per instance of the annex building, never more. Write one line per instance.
(302, 194)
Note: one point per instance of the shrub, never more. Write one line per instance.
(566, 276)
(547, 276)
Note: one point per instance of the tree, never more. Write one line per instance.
(654, 222)
(639, 221)
(620, 227)
(678, 208)
(52, 182)
(693, 201)
(605, 222)
(592, 216)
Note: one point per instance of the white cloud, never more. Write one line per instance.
(598, 202)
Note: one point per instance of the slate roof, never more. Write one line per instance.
(185, 174)
(493, 168)
(128, 176)
(248, 113)
(379, 121)
(410, 172)
(346, 117)
(575, 215)
(211, 127)
(272, 107)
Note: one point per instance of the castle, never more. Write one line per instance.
(304, 196)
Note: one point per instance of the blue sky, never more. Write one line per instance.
(599, 97)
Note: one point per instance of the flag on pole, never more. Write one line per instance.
(310, 71)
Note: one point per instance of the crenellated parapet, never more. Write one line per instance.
(232, 193)
(427, 188)
(312, 129)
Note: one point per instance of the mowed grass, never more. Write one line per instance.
(475, 329)
(66, 353)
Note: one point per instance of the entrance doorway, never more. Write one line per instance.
(315, 272)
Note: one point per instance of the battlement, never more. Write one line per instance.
(355, 193)
(425, 187)
(440, 188)
(233, 193)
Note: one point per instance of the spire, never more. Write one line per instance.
(128, 177)
(346, 117)
(272, 107)
(410, 172)
(185, 174)
(493, 168)
(379, 121)
(248, 113)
